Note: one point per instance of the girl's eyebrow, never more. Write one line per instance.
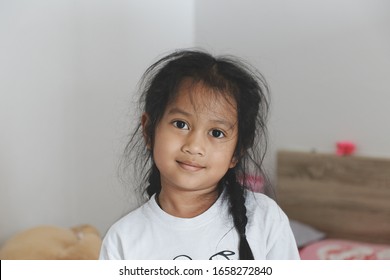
(176, 110)
(224, 122)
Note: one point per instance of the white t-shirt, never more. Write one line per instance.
(149, 233)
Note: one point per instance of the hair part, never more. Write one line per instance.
(225, 76)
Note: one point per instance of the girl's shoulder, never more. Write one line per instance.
(259, 199)
(133, 217)
(261, 204)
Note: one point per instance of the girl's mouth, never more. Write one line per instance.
(190, 166)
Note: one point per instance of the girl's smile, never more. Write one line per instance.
(190, 166)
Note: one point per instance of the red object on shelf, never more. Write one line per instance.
(345, 148)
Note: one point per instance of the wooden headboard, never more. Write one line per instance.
(346, 197)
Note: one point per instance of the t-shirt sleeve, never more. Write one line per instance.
(104, 255)
(281, 242)
(110, 249)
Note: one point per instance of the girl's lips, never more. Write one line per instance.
(190, 166)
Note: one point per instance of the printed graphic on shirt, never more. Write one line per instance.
(223, 255)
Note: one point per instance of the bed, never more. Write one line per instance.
(339, 206)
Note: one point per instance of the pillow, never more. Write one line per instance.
(305, 234)
(337, 249)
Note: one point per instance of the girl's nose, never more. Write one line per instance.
(194, 144)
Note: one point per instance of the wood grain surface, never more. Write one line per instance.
(346, 197)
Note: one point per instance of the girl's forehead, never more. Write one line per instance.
(200, 98)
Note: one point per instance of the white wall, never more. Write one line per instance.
(67, 73)
(68, 69)
(327, 63)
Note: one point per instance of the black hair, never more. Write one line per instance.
(225, 75)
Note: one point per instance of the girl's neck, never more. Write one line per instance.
(186, 204)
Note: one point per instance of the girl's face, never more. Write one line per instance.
(196, 138)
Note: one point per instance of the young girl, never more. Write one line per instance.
(202, 131)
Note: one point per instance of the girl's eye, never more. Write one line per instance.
(180, 124)
(217, 133)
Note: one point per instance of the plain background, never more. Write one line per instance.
(69, 70)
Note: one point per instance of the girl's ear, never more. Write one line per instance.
(236, 158)
(145, 122)
(233, 162)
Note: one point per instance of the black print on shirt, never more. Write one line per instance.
(225, 254)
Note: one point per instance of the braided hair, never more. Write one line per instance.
(227, 75)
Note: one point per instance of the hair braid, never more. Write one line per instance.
(154, 181)
(236, 194)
